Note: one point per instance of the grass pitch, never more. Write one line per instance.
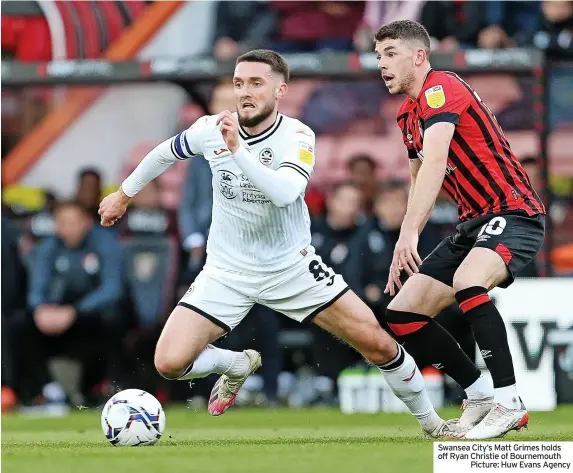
(242, 441)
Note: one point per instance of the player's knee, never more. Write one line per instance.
(168, 365)
(462, 281)
(407, 301)
(398, 304)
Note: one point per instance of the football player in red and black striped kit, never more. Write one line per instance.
(456, 145)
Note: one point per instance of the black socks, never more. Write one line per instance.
(430, 344)
(489, 332)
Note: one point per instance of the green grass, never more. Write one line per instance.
(242, 441)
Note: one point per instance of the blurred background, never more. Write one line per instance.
(88, 88)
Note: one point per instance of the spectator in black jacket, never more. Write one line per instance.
(554, 33)
(375, 244)
(240, 26)
(453, 25)
(147, 217)
(504, 21)
(332, 237)
(75, 288)
(333, 233)
(376, 241)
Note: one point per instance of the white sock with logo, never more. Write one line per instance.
(508, 397)
(217, 360)
(407, 383)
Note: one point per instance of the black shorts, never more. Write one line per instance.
(515, 236)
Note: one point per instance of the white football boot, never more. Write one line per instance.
(447, 429)
(225, 391)
(498, 422)
(474, 412)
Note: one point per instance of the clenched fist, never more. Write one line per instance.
(112, 208)
(229, 129)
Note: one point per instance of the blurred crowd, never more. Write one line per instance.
(296, 26)
(343, 26)
(83, 305)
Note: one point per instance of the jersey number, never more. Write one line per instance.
(319, 273)
(494, 227)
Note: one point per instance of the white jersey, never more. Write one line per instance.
(248, 232)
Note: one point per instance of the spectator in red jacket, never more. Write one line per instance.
(317, 26)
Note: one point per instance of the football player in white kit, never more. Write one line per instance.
(259, 250)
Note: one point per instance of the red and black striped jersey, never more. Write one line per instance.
(483, 176)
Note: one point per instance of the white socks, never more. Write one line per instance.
(217, 360)
(405, 379)
(482, 388)
(508, 397)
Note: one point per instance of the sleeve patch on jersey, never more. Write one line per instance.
(306, 154)
(435, 96)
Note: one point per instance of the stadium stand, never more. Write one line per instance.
(89, 28)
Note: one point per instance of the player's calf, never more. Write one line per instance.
(352, 321)
(430, 344)
(184, 351)
(210, 360)
(481, 270)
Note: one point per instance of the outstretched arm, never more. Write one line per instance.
(180, 147)
(156, 162)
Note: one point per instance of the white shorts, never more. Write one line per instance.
(300, 292)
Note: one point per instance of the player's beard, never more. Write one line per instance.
(258, 118)
(406, 83)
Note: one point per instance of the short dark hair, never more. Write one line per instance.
(74, 204)
(390, 186)
(89, 172)
(266, 56)
(406, 30)
(342, 184)
(530, 159)
(354, 160)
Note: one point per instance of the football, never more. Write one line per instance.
(132, 418)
